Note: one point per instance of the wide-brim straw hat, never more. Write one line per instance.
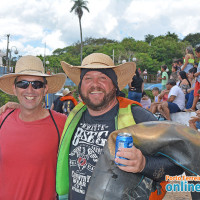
(66, 91)
(31, 66)
(124, 72)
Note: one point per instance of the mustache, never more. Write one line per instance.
(96, 89)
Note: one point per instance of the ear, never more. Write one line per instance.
(46, 89)
(14, 90)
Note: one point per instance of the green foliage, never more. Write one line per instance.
(98, 41)
(6, 98)
(78, 7)
(149, 38)
(193, 39)
(172, 35)
(150, 54)
(141, 47)
(149, 94)
(165, 48)
(145, 61)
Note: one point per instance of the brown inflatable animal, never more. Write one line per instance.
(179, 143)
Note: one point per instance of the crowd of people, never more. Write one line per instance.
(179, 91)
(46, 155)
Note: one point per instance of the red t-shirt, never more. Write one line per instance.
(28, 156)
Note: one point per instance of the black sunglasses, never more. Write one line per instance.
(35, 84)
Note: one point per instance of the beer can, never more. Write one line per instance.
(123, 140)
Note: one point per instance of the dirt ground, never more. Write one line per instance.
(178, 196)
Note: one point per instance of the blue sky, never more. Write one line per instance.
(33, 23)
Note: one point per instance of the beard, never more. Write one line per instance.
(108, 97)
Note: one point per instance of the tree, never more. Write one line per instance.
(149, 38)
(193, 39)
(172, 35)
(78, 7)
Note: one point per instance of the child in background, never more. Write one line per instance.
(145, 101)
(163, 96)
(153, 106)
(155, 92)
(164, 77)
(174, 74)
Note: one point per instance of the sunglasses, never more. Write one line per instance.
(35, 84)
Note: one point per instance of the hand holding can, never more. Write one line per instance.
(123, 140)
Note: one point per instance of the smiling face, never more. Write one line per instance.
(97, 90)
(30, 98)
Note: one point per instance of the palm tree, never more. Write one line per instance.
(78, 7)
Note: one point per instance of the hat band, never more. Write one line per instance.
(95, 63)
(29, 70)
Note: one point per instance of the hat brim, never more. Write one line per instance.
(124, 72)
(55, 82)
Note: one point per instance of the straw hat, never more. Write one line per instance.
(66, 91)
(31, 66)
(124, 72)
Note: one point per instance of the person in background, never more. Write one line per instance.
(197, 84)
(196, 65)
(175, 102)
(184, 83)
(145, 101)
(139, 70)
(194, 122)
(164, 77)
(153, 106)
(158, 76)
(155, 92)
(136, 87)
(174, 74)
(180, 64)
(57, 104)
(163, 96)
(65, 102)
(29, 134)
(190, 92)
(68, 101)
(145, 75)
(189, 60)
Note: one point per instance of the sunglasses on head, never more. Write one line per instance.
(35, 84)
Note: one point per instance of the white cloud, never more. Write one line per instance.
(34, 22)
(53, 40)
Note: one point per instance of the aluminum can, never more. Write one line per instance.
(123, 140)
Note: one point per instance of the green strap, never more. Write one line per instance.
(123, 119)
(62, 177)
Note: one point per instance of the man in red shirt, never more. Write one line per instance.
(30, 134)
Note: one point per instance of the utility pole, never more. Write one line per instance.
(7, 51)
(44, 57)
(113, 56)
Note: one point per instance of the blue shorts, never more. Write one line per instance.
(173, 108)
